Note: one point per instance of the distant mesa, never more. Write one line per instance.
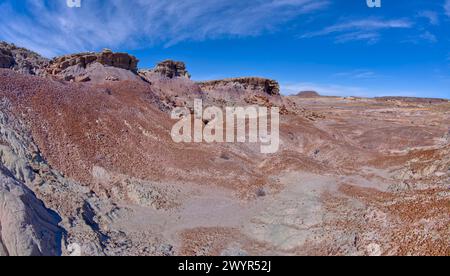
(254, 84)
(308, 94)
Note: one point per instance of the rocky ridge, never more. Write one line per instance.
(84, 67)
(21, 60)
(254, 84)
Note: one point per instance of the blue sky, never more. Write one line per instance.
(337, 47)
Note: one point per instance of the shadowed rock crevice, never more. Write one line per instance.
(28, 228)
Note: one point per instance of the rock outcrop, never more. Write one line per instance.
(172, 69)
(252, 84)
(168, 69)
(80, 67)
(21, 59)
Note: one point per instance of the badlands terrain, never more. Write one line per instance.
(88, 166)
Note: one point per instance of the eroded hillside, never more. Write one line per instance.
(353, 176)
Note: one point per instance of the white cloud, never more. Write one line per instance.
(50, 27)
(431, 16)
(447, 7)
(428, 37)
(366, 29)
(369, 37)
(357, 74)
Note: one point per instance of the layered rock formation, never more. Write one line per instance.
(253, 84)
(171, 69)
(167, 78)
(165, 72)
(103, 66)
(21, 59)
(243, 92)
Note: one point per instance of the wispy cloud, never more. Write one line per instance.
(369, 37)
(447, 7)
(357, 74)
(431, 16)
(51, 28)
(428, 36)
(366, 29)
